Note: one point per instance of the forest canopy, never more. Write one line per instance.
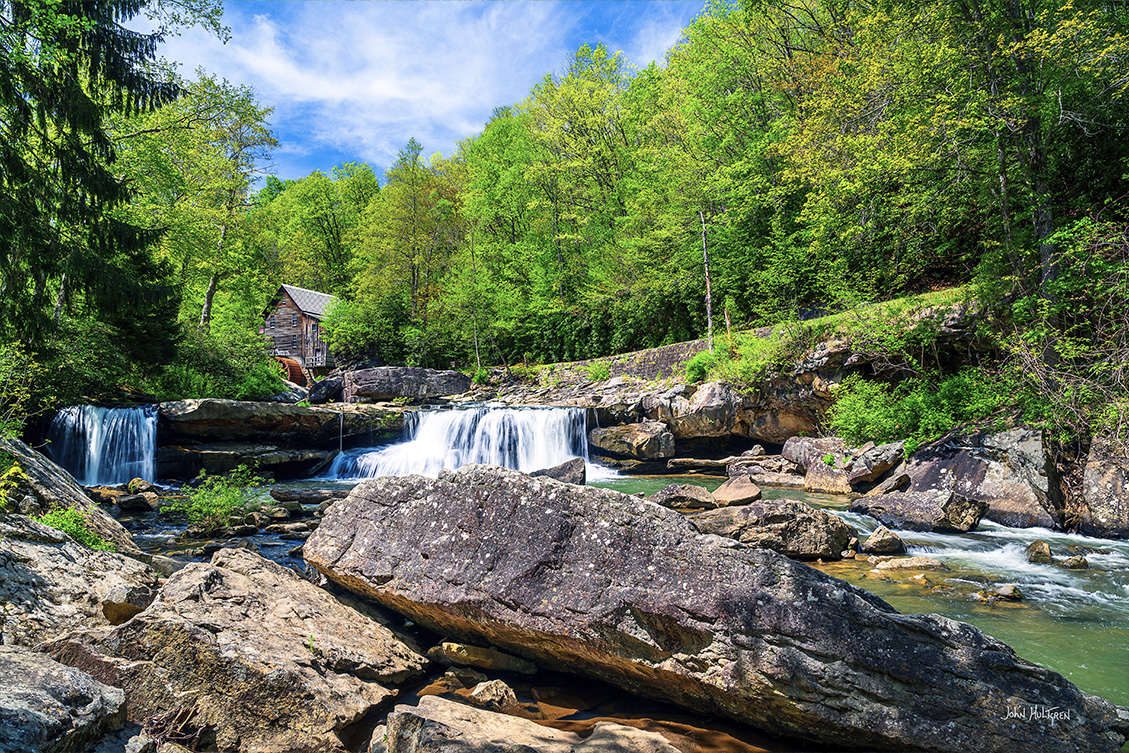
(820, 154)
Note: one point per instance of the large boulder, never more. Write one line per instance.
(1010, 471)
(646, 440)
(808, 452)
(598, 583)
(713, 411)
(438, 725)
(1105, 492)
(391, 382)
(48, 486)
(783, 525)
(328, 390)
(212, 420)
(49, 583)
(868, 466)
(46, 707)
(252, 653)
(941, 511)
(827, 479)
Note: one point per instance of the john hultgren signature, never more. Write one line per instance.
(1035, 712)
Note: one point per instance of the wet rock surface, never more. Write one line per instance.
(941, 511)
(438, 725)
(594, 582)
(787, 526)
(50, 584)
(46, 707)
(252, 654)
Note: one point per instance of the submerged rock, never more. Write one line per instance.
(46, 707)
(941, 511)
(597, 583)
(883, 541)
(49, 583)
(255, 655)
(438, 725)
(784, 525)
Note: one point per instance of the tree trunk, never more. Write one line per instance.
(206, 313)
(709, 294)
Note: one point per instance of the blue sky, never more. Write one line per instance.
(353, 81)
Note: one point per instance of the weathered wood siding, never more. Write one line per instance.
(294, 334)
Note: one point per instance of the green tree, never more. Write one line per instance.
(63, 68)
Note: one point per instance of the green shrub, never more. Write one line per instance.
(233, 366)
(10, 477)
(700, 365)
(18, 372)
(524, 373)
(599, 371)
(917, 410)
(481, 376)
(829, 460)
(75, 523)
(217, 498)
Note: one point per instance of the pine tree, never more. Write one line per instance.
(63, 68)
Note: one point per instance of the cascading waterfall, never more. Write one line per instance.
(105, 445)
(526, 439)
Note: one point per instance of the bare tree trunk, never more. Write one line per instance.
(60, 301)
(709, 294)
(206, 313)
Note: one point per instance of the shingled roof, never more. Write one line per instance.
(309, 301)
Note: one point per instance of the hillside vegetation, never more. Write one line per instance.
(786, 162)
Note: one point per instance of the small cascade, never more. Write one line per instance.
(105, 445)
(526, 439)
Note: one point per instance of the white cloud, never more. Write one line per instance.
(360, 78)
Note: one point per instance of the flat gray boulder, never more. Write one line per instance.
(597, 583)
(49, 583)
(939, 510)
(787, 526)
(267, 661)
(46, 707)
(391, 382)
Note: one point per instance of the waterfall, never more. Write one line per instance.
(526, 439)
(105, 445)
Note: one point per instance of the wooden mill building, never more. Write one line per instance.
(292, 324)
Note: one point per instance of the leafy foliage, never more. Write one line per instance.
(217, 498)
(74, 522)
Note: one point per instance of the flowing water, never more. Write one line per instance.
(105, 445)
(526, 439)
(1075, 622)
